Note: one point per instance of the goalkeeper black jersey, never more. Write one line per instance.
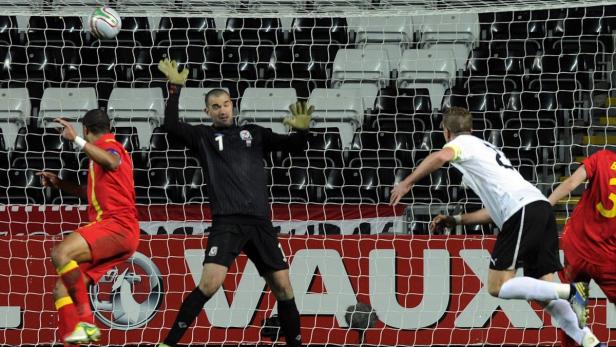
(232, 159)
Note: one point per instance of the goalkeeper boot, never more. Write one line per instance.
(579, 301)
(84, 333)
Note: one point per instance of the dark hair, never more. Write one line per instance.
(96, 121)
(215, 92)
(458, 120)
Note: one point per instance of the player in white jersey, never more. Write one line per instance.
(528, 237)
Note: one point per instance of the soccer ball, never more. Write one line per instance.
(105, 23)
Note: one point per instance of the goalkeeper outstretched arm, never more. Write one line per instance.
(172, 124)
(569, 185)
(301, 115)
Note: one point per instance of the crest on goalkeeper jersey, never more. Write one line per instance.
(246, 137)
(105, 23)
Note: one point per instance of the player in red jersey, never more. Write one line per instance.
(110, 238)
(589, 238)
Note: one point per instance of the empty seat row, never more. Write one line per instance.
(164, 185)
(204, 30)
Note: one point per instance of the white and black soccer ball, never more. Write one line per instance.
(105, 23)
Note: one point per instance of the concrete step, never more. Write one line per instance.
(599, 140)
(561, 219)
(572, 201)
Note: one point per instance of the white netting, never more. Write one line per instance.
(537, 76)
(285, 8)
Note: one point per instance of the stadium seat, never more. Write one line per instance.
(260, 31)
(127, 136)
(520, 25)
(15, 111)
(343, 187)
(102, 64)
(135, 32)
(243, 60)
(141, 108)
(36, 142)
(458, 32)
(267, 107)
(337, 108)
(161, 186)
(325, 144)
(363, 70)
(530, 139)
(33, 64)
(584, 21)
(9, 34)
(186, 30)
(404, 110)
(434, 187)
(248, 45)
(22, 184)
(79, 177)
(195, 187)
(295, 184)
(432, 68)
(166, 145)
(145, 71)
(486, 106)
(357, 186)
(57, 31)
(367, 182)
(302, 67)
(323, 31)
(68, 103)
(167, 178)
(382, 145)
(390, 34)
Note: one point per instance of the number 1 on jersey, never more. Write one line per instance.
(219, 140)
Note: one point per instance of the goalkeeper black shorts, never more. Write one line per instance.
(258, 242)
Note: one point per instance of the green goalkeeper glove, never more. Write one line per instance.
(170, 69)
(301, 114)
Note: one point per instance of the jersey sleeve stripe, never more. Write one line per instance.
(95, 203)
(456, 150)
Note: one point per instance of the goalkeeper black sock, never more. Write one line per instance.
(289, 322)
(191, 306)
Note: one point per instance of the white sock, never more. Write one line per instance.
(528, 288)
(561, 312)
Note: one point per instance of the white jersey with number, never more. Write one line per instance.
(487, 171)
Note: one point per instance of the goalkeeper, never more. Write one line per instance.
(232, 159)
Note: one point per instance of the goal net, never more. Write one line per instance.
(536, 75)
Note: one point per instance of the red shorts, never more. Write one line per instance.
(577, 268)
(111, 242)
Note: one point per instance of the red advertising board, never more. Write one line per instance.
(424, 289)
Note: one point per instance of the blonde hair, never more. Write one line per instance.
(458, 120)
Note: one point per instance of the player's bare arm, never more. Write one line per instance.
(432, 163)
(569, 185)
(477, 217)
(50, 179)
(107, 160)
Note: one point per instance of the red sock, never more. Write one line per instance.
(73, 281)
(67, 317)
